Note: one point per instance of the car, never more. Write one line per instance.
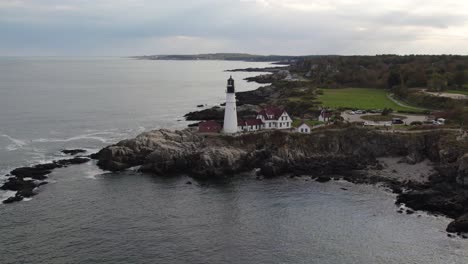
(351, 112)
(397, 121)
(441, 121)
(358, 112)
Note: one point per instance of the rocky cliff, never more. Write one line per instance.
(346, 152)
(322, 152)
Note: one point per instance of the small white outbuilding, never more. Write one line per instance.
(304, 128)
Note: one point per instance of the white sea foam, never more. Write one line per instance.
(16, 143)
(6, 194)
(98, 136)
(92, 171)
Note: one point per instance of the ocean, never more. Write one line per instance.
(85, 215)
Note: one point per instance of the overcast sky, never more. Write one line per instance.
(290, 27)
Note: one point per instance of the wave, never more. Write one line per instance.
(91, 171)
(17, 143)
(93, 136)
(5, 195)
(103, 136)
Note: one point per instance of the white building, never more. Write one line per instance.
(250, 125)
(304, 128)
(268, 118)
(274, 118)
(230, 111)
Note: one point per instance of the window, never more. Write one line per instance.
(281, 124)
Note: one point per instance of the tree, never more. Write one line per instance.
(437, 83)
(458, 114)
(387, 111)
(394, 79)
(460, 77)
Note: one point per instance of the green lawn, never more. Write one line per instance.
(297, 122)
(359, 98)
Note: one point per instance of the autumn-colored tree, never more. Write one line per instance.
(457, 113)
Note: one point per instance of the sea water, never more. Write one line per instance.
(85, 215)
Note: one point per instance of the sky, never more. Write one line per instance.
(284, 27)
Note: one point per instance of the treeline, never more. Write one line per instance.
(435, 72)
(223, 56)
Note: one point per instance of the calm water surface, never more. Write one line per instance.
(88, 216)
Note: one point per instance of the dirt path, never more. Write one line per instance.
(448, 95)
(390, 96)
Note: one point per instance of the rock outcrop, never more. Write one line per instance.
(73, 152)
(459, 225)
(462, 177)
(275, 152)
(25, 180)
(346, 152)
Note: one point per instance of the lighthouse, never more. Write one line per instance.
(230, 111)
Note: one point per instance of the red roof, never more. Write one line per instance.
(250, 122)
(209, 126)
(273, 111)
(209, 123)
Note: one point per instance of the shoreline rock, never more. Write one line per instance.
(25, 180)
(348, 152)
(73, 152)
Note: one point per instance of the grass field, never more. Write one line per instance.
(297, 122)
(359, 98)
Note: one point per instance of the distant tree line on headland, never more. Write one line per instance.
(399, 73)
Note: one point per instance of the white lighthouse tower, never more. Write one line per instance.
(230, 112)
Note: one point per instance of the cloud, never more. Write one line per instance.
(128, 27)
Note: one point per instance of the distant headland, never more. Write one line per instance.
(222, 56)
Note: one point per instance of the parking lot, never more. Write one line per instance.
(358, 117)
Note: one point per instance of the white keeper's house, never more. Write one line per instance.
(268, 118)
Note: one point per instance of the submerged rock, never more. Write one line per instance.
(25, 180)
(459, 225)
(13, 199)
(73, 151)
(323, 179)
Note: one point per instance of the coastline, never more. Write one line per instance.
(327, 167)
(347, 154)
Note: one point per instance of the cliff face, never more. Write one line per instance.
(343, 152)
(275, 152)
